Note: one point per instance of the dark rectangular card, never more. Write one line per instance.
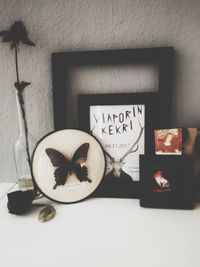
(167, 182)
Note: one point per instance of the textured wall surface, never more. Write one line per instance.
(72, 25)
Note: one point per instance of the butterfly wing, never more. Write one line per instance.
(58, 160)
(80, 156)
(82, 173)
(60, 175)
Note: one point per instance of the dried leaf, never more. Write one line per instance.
(47, 213)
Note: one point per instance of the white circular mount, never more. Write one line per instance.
(66, 143)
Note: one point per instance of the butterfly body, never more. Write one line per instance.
(66, 167)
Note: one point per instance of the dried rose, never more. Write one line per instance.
(16, 34)
(20, 202)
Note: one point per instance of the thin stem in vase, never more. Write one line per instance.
(16, 63)
(19, 86)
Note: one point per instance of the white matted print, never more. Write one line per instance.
(121, 131)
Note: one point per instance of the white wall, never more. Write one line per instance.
(66, 25)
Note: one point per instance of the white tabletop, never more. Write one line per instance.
(100, 232)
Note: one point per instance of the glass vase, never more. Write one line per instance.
(23, 148)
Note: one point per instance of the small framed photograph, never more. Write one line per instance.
(167, 182)
(168, 141)
(123, 124)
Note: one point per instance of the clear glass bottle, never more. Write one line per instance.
(23, 170)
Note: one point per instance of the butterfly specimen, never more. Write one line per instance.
(66, 167)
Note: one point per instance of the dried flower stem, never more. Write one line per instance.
(16, 63)
(16, 34)
(21, 101)
(22, 107)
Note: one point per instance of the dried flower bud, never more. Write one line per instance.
(16, 34)
(20, 201)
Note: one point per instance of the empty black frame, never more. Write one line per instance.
(122, 185)
(63, 62)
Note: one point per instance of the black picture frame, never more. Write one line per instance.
(64, 62)
(167, 182)
(112, 186)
